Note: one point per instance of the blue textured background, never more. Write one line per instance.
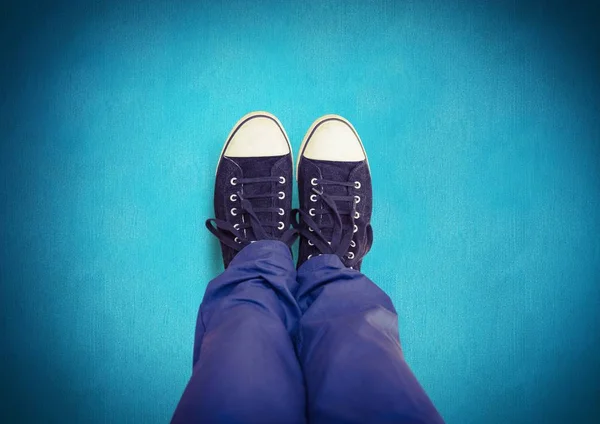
(481, 120)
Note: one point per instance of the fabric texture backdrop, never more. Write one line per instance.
(481, 124)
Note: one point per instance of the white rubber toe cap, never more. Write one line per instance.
(257, 134)
(333, 138)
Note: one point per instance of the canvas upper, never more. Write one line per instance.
(335, 193)
(253, 186)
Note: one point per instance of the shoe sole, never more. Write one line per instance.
(247, 117)
(318, 122)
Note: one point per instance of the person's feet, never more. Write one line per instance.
(253, 188)
(334, 187)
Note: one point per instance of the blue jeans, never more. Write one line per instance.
(318, 345)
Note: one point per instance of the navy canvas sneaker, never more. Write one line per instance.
(334, 187)
(253, 188)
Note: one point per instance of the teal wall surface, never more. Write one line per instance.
(482, 125)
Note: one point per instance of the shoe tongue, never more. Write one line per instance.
(336, 171)
(256, 167)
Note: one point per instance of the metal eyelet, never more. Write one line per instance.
(356, 215)
(237, 240)
(236, 226)
(281, 226)
(234, 211)
(233, 197)
(281, 212)
(352, 243)
(233, 181)
(311, 212)
(281, 180)
(308, 257)
(313, 181)
(310, 243)
(310, 229)
(357, 199)
(281, 195)
(355, 228)
(350, 255)
(313, 197)
(357, 184)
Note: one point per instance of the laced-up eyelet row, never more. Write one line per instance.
(350, 255)
(313, 198)
(233, 180)
(234, 211)
(280, 224)
(234, 197)
(357, 184)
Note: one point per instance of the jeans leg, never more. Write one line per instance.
(349, 349)
(245, 369)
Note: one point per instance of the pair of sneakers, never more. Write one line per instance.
(253, 190)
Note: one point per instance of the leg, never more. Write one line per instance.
(349, 348)
(347, 342)
(245, 367)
